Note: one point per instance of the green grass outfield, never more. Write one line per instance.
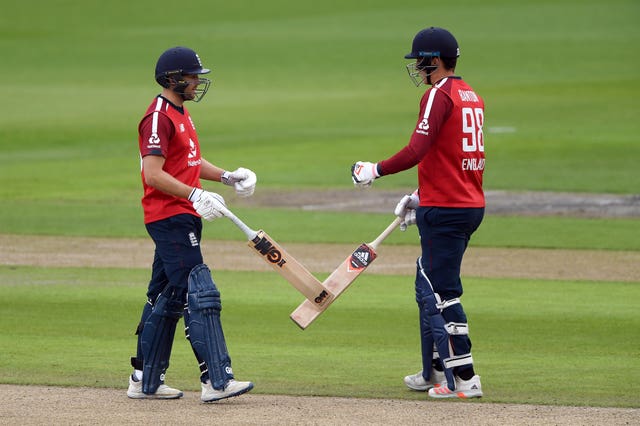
(534, 341)
(302, 90)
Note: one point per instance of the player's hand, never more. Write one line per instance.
(408, 219)
(364, 173)
(243, 180)
(406, 210)
(209, 205)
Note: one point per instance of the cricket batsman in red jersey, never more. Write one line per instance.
(174, 203)
(447, 145)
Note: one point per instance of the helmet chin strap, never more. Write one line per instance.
(429, 77)
(179, 88)
(428, 69)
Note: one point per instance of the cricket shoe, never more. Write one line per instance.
(464, 389)
(418, 383)
(163, 391)
(231, 389)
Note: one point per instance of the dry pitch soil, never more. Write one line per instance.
(30, 405)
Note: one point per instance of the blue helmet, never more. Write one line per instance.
(176, 62)
(432, 42)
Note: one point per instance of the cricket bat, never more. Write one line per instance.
(285, 264)
(342, 277)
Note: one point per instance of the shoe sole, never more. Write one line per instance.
(418, 388)
(240, 392)
(461, 395)
(424, 388)
(145, 396)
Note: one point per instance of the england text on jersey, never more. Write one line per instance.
(472, 164)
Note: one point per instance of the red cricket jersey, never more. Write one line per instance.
(168, 131)
(448, 146)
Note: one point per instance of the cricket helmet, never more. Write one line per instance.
(432, 42)
(176, 62)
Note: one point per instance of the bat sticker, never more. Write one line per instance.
(268, 250)
(361, 258)
(341, 278)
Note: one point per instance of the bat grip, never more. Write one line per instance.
(393, 225)
(250, 233)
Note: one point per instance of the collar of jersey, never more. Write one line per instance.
(176, 107)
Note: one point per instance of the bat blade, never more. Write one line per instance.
(342, 277)
(293, 271)
(339, 280)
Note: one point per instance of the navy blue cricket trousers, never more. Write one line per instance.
(444, 236)
(177, 241)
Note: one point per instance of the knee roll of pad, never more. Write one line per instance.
(203, 293)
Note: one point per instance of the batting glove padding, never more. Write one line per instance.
(406, 210)
(243, 180)
(408, 220)
(209, 205)
(364, 173)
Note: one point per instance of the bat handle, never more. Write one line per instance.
(250, 233)
(393, 225)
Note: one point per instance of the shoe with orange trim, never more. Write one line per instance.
(464, 389)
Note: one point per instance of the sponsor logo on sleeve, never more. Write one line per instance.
(154, 141)
(423, 127)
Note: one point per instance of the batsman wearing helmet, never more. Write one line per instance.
(447, 145)
(174, 203)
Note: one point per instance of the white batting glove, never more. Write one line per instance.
(406, 210)
(243, 180)
(209, 205)
(408, 219)
(364, 173)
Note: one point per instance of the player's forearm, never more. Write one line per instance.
(403, 160)
(209, 171)
(164, 182)
(243, 180)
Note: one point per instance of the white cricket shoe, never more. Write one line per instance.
(464, 389)
(418, 383)
(231, 389)
(163, 392)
